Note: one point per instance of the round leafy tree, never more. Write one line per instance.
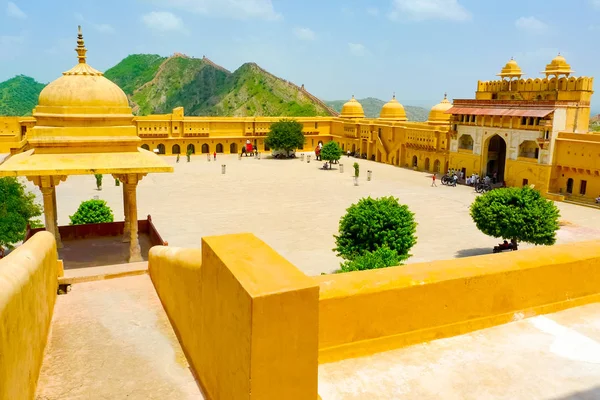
(331, 151)
(286, 135)
(517, 214)
(17, 209)
(92, 212)
(383, 257)
(374, 223)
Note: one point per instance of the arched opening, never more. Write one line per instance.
(191, 149)
(570, 186)
(145, 147)
(529, 149)
(219, 148)
(436, 166)
(343, 146)
(205, 148)
(496, 158)
(427, 164)
(465, 142)
(233, 148)
(176, 149)
(353, 147)
(415, 161)
(161, 148)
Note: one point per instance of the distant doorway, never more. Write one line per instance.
(161, 148)
(233, 148)
(191, 149)
(427, 164)
(415, 161)
(145, 147)
(436, 166)
(176, 149)
(496, 157)
(570, 186)
(219, 148)
(205, 148)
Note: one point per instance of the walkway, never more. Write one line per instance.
(550, 357)
(111, 339)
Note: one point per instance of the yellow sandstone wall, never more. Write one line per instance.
(28, 286)
(370, 311)
(246, 318)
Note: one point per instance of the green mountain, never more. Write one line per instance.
(372, 108)
(157, 85)
(19, 95)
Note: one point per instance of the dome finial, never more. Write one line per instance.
(445, 96)
(81, 50)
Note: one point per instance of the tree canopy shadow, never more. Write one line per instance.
(478, 251)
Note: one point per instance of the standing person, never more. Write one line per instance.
(215, 156)
(177, 157)
(495, 178)
(433, 180)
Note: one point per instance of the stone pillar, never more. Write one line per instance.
(57, 232)
(126, 228)
(50, 220)
(135, 253)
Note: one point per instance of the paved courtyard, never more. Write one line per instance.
(295, 207)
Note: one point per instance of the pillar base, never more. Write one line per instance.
(135, 258)
(126, 238)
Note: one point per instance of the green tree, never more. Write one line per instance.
(331, 151)
(383, 257)
(98, 181)
(17, 209)
(92, 212)
(285, 134)
(517, 214)
(374, 223)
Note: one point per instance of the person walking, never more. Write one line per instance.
(215, 156)
(177, 157)
(433, 180)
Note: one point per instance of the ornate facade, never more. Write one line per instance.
(525, 131)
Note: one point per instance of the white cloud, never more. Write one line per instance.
(305, 34)
(420, 10)
(357, 49)
(374, 11)
(102, 28)
(236, 9)
(12, 10)
(163, 21)
(531, 25)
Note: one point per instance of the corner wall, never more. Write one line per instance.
(28, 286)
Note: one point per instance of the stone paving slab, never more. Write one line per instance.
(555, 356)
(111, 339)
(295, 207)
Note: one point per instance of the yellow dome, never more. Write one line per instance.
(511, 70)
(438, 114)
(352, 109)
(393, 110)
(558, 66)
(82, 90)
(82, 109)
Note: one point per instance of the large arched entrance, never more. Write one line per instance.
(219, 148)
(414, 161)
(191, 149)
(175, 149)
(233, 148)
(205, 148)
(161, 149)
(496, 158)
(436, 166)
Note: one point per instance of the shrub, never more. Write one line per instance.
(17, 209)
(374, 223)
(517, 214)
(92, 212)
(98, 180)
(383, 257)
(356, 169)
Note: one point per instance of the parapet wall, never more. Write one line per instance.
(365, 312)
(28, 286)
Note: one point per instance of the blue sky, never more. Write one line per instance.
(416, 48)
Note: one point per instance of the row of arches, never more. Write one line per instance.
(176, 149)
(427, 166)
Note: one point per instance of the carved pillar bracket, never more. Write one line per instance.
(47, 185)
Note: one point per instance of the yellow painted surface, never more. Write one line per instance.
(28, 285)
(246, 318)
(370, 311)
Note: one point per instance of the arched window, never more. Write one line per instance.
(529, 149)
(161, 148)
(219, 148)
(465, 142)
(176, 149)
(205, 148)
(145, 147)
(191, 149)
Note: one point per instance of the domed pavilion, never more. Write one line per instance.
(438, 114)
(393, 111)
(84, 126)
(558, 66)
(352, 109)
